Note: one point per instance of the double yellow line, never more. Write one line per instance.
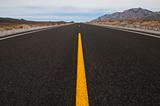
(81, 87)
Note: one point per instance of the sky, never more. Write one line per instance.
(69, 10)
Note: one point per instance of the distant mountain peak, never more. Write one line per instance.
(133, 13)
(136, 9)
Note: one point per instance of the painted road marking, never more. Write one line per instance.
(128, 30)
(24, 33)
(81, 87)
(29, 32)
(141, 33)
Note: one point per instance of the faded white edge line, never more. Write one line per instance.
(127, 30)
(142, 33)
(23, 33)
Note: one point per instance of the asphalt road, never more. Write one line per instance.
(39, 69)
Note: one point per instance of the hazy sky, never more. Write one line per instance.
(68, 10)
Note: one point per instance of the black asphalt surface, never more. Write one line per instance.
(39, 69)
(123, 69)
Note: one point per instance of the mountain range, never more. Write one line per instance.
(131, 14)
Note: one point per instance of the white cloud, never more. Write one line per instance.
(51, 7)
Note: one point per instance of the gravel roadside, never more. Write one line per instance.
(131, 29)
(15, 31)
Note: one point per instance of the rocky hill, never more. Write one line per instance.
(132, 18)
(131, 14)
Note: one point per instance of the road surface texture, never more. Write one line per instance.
(40, 69)
(122, 68)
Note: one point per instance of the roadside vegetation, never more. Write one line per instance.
(10, 24)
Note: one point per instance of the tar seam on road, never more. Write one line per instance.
(81, 87)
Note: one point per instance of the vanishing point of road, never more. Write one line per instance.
(80, 65)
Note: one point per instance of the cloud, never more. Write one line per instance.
(69, 9)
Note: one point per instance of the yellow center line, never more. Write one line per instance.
(81, 87)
